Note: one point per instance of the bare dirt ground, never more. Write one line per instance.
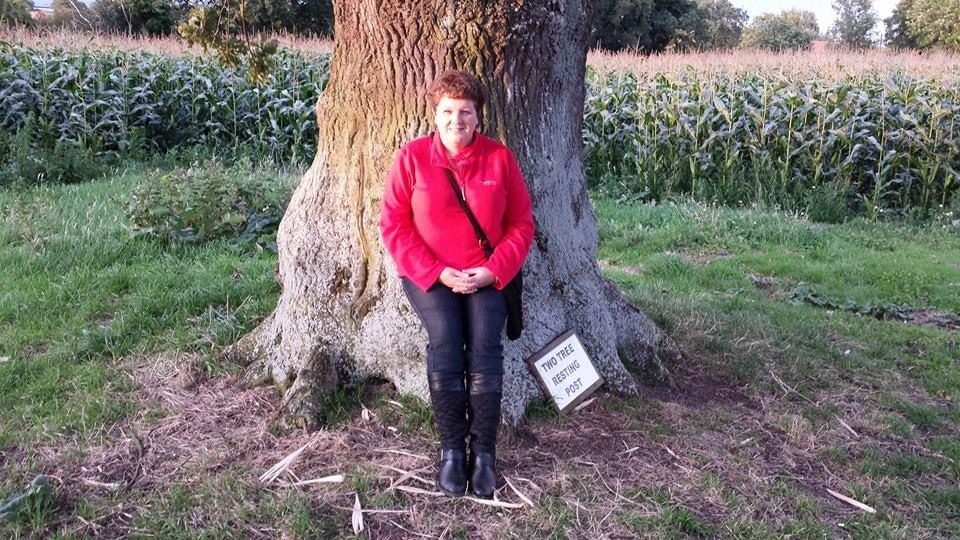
(707, 448)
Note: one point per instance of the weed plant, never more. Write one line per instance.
(28, 161)
(207, 201)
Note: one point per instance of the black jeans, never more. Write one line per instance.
(464, 330)
(464, 361)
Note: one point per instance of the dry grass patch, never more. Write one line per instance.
(700, 257)
(834, 65)
(70, 40)
(632, 270)
(705, 458)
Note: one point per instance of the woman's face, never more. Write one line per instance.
(456, 120)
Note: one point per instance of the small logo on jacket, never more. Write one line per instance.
(488, 183)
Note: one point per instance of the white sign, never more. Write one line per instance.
(565, 371)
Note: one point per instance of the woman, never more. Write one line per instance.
(451, 283)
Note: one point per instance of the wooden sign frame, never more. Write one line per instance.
(545, 388)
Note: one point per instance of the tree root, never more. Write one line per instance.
(640, 343)
(303, 392)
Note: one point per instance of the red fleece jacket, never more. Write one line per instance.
(423, 226)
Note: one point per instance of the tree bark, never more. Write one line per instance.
(342, 315)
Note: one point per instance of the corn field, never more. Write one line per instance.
(863, 146)
(829, 146)
(111, 101)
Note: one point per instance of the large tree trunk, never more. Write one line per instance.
(342, 315)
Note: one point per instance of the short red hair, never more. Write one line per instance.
(457, 85)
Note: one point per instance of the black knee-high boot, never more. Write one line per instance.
(449, 399)
(485, 395)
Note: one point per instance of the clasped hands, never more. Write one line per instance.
(467, 281)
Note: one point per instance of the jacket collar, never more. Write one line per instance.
(438, 154)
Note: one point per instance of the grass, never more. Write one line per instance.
(745, 449)
(722, 279)
(409, 414)
(669, 522)
(76, 295)
(734, 269)
(219, 506)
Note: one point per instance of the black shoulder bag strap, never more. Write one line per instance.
(513, 291)
(484, 241)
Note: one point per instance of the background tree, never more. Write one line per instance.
(226, 27)
(342, 315)
(314, 17)
(804, 20)
(16, 12)
(693, 31)
(151, 17)
(725, 23)
(788, 30)
(644, 25)
(270, 15)
(854, 24)
(897, 34)
(935, 23)
(73, 14)
(114, 16)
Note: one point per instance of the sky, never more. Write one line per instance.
(822, 8)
